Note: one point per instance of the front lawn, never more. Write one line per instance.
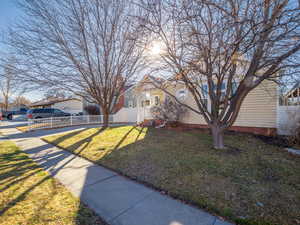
(250, 183)
(29, 196)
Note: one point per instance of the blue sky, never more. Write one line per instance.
(10, 13)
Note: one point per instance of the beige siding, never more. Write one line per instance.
(192, 117)
(258, 109)
(189, 117)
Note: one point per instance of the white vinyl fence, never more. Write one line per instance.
(127, 115)
(288, 118)
(56, 122)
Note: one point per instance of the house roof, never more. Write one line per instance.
(147, 77)
(127, 88)
(297, 85)
(46, 102)
(156, 81)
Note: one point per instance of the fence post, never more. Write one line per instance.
(51, 122)
(71, 120)
(88, 118)
(29, 124)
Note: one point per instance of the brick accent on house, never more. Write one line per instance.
(120, 104)
(265, 131)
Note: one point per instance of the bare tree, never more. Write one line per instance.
(21, 101)
(10, 86)
(222, 50)
(86, 47)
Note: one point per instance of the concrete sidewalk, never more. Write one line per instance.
(118, 200)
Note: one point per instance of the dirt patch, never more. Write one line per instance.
(280, 141)
(231, 150)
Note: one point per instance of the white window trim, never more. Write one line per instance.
(178, 93)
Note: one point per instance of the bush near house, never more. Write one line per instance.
(168, 111)
(251, 182)
(294, 139)
(92, 110)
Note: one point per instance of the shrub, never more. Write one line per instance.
(294, 138)
(92, 110)
(168, 111)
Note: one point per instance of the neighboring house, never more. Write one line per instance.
(258, 113)
(69, 105)
(125, 109)
(288, 112)
(292, 97)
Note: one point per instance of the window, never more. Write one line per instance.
(223, 89)
(127, 102)
(57, 111)
(130, 102)
(181, 94)
(145, 103)
(234, 87)
(156, 100)
(204, 90)
(48, 110)
(45, 110)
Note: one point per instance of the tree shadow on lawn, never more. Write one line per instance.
(253, 180)
(25, 181)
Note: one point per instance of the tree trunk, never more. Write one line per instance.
(6, 103)
(105, 119)
(218, 137)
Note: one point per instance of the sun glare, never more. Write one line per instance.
(156, 48)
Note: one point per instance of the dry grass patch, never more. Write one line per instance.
(251, 183)
(33, 126)
(29, 196)
(23, 128)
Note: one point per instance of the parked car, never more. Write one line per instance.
(9, 114)
(78, 114)
(45, 113)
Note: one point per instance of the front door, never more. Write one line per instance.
(144, 106)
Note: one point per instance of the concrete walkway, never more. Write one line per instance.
(118, 200)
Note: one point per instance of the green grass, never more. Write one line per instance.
(250, 183)
(29, 196)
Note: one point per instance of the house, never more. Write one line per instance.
(125, 109)
(292, 97)
(288, 111)
(258, 113)
(70, 105)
